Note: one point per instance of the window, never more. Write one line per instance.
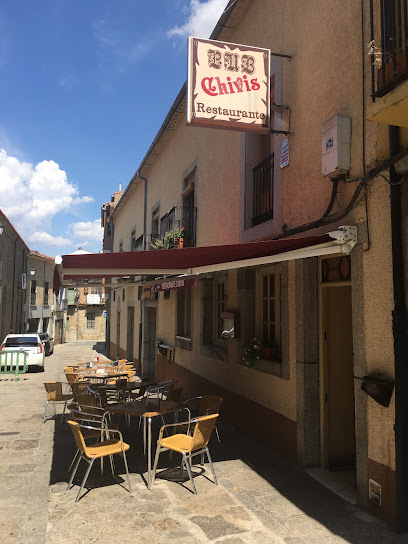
(155, 224)
(219, 307)
(213, 306)
(188, 210)
(90, 320)
(46, 294)
(184, 313)
(133, 240)
(263, 190)
(268, 323)
(123, 294)
(33, 292)
(261, 177)
(45, 324)
(167, 222)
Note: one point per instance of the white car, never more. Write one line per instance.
(30, 343)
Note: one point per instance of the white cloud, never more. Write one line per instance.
(31, 196)
(203, 16)
(45, 238)
(90, 230)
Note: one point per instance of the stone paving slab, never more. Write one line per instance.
(260, 499)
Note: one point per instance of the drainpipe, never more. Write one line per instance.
(139, 369)
(144, 209)
(399, 328)
(13, 304)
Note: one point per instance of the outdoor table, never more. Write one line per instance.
(125, 386)
(101, 376)
(143, 409)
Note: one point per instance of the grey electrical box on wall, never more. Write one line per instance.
(336, 138)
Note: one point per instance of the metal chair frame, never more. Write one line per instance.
(207, 410)
(187, 455)
(90, 460)
(92, 417)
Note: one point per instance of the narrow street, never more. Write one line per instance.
(259, 499)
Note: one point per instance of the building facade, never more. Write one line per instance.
(334, 325)
(41, 301)
(86, 309)
(14, 254)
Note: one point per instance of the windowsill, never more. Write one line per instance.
(267, 366)
(183, 338)
(218, 353)
(184, 342)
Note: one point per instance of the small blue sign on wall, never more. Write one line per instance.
(329, 144)
(284, 155)
(104, 313)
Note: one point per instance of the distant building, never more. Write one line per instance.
(86, 314)
(41, 300)
(106, 211)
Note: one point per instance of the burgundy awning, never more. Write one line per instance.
(197, 260)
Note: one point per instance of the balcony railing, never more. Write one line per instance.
(389, 39)
(177, 229)
(263, 191)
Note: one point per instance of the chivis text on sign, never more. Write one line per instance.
(228, 86)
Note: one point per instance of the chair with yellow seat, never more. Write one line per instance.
(89, 453)
(95, 417)
(56, 394)
(189, 446)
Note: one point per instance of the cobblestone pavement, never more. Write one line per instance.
(259, 499)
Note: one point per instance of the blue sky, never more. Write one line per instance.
(85, 86)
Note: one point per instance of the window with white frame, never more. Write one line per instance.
(46, 288)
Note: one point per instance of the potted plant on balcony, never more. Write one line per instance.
(269, 352)
(174, 238)
(252, 352)
(157, 244)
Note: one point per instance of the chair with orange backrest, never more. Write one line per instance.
(189, 446)
(57, 393)
(205, 405)
(106, 448)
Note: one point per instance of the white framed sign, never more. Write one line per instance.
(228, 86)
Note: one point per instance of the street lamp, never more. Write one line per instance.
(32, 271)
(1, 228)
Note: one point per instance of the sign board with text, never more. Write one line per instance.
(228, 86)
(172, 285)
